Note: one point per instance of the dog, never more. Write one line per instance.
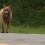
(6, 17)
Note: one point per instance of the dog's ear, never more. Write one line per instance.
(3, 5)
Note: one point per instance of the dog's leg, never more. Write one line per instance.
(6, 27)
(2, 28)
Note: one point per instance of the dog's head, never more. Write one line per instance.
(6, 10)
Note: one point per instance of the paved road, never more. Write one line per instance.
(22, 39)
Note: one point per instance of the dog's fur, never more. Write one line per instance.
(6, 17)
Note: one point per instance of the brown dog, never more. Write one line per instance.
(6, 17)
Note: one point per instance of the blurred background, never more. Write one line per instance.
(27, 13)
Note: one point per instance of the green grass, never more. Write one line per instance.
(39, 30)
(13, 29)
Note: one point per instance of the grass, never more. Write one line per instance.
(13, 29)
(39, 30)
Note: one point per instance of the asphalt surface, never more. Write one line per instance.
(22, 39)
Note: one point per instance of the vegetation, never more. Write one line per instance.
(27, 12)
(27, 30)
